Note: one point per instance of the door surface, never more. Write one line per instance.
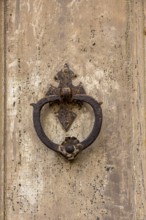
(103, 41)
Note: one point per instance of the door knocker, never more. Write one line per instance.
(66, 93)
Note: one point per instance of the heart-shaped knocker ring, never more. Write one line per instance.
(66, 93)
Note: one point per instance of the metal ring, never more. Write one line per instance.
(78, 146)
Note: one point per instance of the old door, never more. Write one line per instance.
(103, 41)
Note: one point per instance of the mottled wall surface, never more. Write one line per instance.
(103, 42)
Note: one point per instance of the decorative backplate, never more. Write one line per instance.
(66, 90)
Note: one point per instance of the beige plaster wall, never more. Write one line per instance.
(103, 42)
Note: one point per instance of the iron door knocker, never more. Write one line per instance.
(66, 93)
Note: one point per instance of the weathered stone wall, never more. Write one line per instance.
(103, 42)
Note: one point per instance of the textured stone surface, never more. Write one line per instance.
(1, 110)
(103, 42)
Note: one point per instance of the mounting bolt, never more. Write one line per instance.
(69, 149)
